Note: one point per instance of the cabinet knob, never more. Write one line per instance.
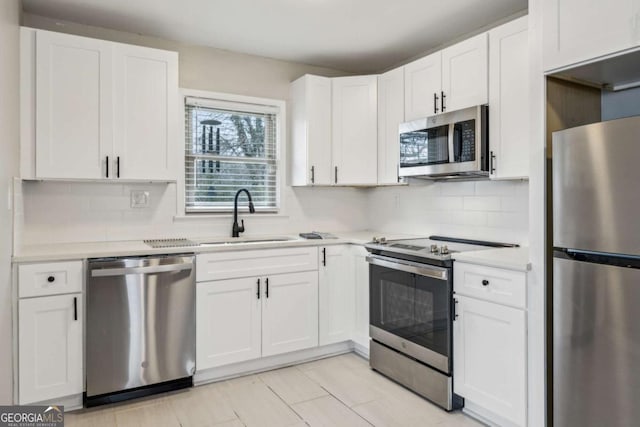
(51, 279)
(485, 282)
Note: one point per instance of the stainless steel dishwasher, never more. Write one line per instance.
(140, 336)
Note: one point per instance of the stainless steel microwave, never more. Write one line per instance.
(452, 145)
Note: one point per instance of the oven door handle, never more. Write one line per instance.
(409, 267)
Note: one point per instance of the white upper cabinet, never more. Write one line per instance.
(336, 288)
(100, 110)
(423, 84)
(311, 131)
(390, 115)
(580, 30)
(74, 107)
(464, 74)
(509, 100)
(147, 121)
(355, 130)
(451, 79)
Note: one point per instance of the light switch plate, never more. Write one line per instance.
(139, 199)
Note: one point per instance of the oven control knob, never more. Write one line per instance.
(383, 240)
(434, 249)
(444, 250)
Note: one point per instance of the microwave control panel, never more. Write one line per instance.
(465, 141)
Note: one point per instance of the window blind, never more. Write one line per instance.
(229, 146)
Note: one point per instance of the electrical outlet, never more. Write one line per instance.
(139, 199)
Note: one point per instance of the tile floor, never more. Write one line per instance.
(337, 391)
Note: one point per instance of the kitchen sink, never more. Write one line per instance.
(236, 240)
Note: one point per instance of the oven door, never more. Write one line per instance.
(410, 309)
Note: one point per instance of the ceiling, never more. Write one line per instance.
(358, 36)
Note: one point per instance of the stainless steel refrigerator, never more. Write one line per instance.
(596, 275)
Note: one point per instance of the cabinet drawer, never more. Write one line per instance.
(228, 265)
(49, 278)
(491, 284)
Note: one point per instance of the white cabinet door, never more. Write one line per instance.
(50, 348)
(147, 123)
(311, 131)
(464, 74)
(579, 30)
(390, 115)
(336, 289)
(228, 319)
(423, 84)
(490, 357)
(509, 100)
(74, 120)
(289, 312)
(361, 275)
(355, 130)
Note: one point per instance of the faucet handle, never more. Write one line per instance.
(241, 227)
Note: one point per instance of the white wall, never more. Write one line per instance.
(489, 210)
(202, 67)
(9, 120)
(64, 212)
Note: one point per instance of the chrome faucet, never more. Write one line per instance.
(237, 229)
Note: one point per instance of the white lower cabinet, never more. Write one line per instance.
(228, 322)
(337, 294)
(490, 363)
(361, 275)
(50, 347)
(290, 313)
(244, 318)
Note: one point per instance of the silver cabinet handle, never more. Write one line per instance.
(106, 272)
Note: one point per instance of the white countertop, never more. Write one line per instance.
(68, 251)
(510, 258)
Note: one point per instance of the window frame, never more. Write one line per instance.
(226, 100)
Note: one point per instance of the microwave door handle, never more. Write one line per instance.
(457, 143)
(451, 154)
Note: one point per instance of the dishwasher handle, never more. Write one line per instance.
(107, 272)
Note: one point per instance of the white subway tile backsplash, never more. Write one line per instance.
(496, 188)
(482, 203)
(486, 210)
(507, 220)
(77, 212)
(71, 212)
(444, 203)
(465, 218)
(457, 188)
(514, 204)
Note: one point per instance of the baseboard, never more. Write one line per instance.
(361, 350)
(486, 417)
(70, 403)
(272, 362)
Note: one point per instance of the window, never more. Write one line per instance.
(229, 146)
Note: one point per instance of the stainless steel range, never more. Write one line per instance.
(411, 312)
